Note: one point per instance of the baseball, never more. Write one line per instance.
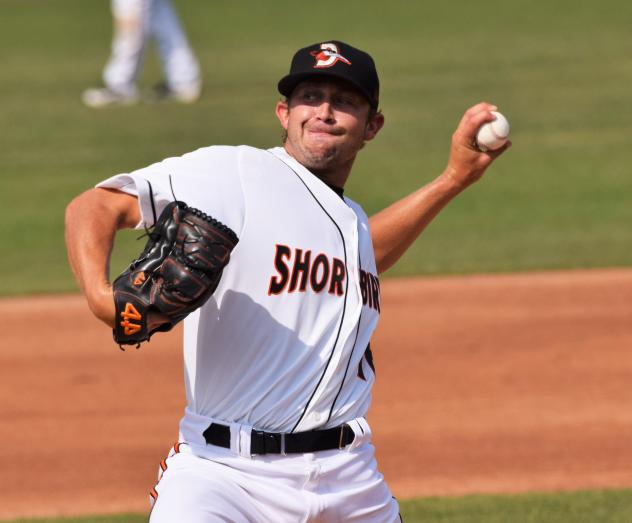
(493, 135)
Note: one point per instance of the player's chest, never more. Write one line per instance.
(301, 252)
(307, 256)
(302, 241)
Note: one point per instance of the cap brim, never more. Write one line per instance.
(288, 83)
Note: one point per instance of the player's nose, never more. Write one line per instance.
(324, 111)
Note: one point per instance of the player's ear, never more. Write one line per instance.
(373, 126)
(283, 113)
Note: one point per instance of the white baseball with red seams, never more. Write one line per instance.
(282, 345)
(493, 135)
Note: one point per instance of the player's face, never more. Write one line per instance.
(327, 123)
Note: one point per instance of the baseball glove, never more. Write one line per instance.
(178, 270)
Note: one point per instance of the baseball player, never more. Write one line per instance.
(136, 22)
(278, 365)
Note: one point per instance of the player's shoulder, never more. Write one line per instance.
(227, 155)
(217, 151)
(356, 208)
(230, 151)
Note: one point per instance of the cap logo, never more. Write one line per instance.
(328, 56)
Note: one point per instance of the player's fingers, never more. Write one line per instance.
(472, 124)
(481, 106)
(496, 153)
(469, 112)
(472, 120)
(475, 110)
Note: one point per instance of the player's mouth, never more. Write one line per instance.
(324, 131)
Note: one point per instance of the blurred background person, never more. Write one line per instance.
(136, 23)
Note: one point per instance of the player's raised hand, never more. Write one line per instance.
(467, 163)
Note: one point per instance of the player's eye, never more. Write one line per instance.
(343, 100)
(346, 100)
(310, 96)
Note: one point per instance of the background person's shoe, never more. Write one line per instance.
(186, 95)
(103, 96)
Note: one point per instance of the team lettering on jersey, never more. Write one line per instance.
(370, 287)
(296, 269)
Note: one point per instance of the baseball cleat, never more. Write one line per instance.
(186, 95)
(98, 97)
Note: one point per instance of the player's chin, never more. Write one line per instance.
(320, 146)
(320, 157)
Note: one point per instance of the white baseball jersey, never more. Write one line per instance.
(282, 345)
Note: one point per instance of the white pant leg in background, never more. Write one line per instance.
(181, 68)
(135, 23)
(128, 44)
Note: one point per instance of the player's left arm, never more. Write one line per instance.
(395, 228)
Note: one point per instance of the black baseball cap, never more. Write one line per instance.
(336, 59)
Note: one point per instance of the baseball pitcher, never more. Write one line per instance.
(275, 272)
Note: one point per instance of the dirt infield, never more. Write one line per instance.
(485, 384)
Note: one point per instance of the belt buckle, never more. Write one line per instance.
(283, 453)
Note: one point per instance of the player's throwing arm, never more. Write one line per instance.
(395, 228)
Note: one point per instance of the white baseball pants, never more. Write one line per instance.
(212, 484)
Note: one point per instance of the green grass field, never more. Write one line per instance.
(608, 506)
(560, 198)
(559, 70)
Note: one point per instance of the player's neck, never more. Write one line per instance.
(333, 178)
(333, 173)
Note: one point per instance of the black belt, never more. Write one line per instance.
(281, 443)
